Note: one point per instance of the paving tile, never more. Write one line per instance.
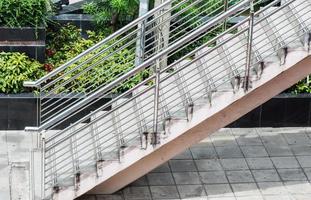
(272, 188)
(182, 165)
(277, 197)
(234, 164)
(229, 152)
(254, 151)
(308, 173)
(163, 168)
(4, 183)
(249, 139)
(222, 132)
(285, 162)
(298, 187)
(140, 182)
(191, 191)
(213, 177)
(221, 198)
(186, 155)
(259, 163)
(108, 197)
(245, 189)
(162, 192)
(304, 161)
(182, 178)
(278, 150)
(208, 165)
(93, 197)
(301, 197)
(297, 138)
(252, 197)
(227, 140)
(131, 193)
(243, 131)
(242, 176)
(274, 139)
(203, 152)
(301, 150)
(194, 198)
(292, 174)
(160, 179)
(266, 175)
(218, 190)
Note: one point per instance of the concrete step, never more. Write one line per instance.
(302, 9)
(215, 69)
(283, 28)
(172, 98)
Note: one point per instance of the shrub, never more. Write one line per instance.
(67, 43)
(302, 87)
(15, 68)
(22, 13)
(112, 11)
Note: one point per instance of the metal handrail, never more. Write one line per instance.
(64, 90)
(141, 67)
(97, 135)
(38, 82)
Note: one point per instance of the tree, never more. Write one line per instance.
(112, 11)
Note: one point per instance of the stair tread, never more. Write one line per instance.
(283, 28)
(302, 9)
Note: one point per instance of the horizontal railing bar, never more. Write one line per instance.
(144, 65)
(119, 32)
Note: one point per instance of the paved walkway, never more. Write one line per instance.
(234, 164)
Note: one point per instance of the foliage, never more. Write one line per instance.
(67, 43)
(16, 68)
(301, 87)
(112, 11)
(23, 13)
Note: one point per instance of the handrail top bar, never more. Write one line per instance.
(30, 84)
(132, 72)
(31, 129)
(96, 46)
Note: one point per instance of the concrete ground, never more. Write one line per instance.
(233, 164)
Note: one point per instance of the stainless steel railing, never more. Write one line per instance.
(80, 77)
(189, 77)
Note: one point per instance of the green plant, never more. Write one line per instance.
(303, 86)
(67, 42)
(16, 68)
(112, 12)
(22, 13)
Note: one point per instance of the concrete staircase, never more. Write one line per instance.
(190, 99)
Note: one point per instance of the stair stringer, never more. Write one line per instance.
(206, 120)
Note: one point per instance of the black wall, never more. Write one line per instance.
(18, 111)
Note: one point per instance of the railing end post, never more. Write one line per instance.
(30, 84)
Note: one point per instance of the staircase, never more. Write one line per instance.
(98, 136)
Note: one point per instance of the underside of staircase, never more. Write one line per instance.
(206, 120)
(183, 100)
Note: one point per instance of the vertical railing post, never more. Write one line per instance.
(156, 102)
(249, 55)
(140, 43)
(39, 108)
(36, 166)
(42, 166)
(226, 6)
